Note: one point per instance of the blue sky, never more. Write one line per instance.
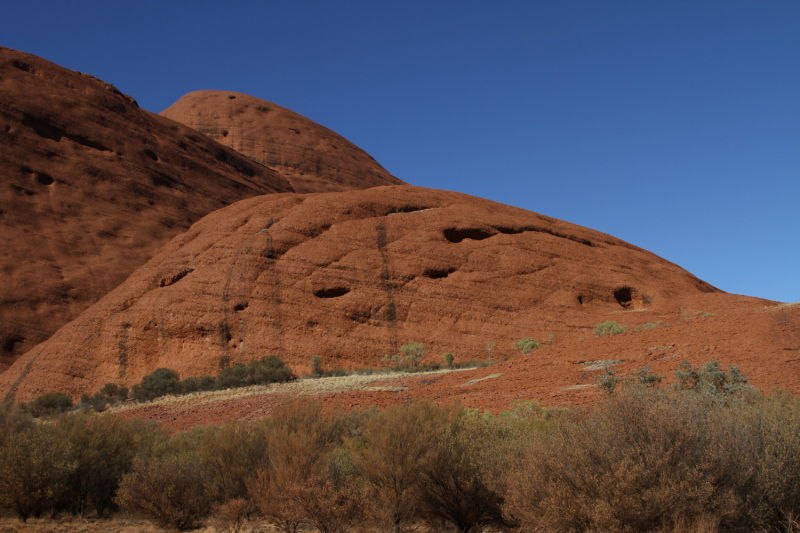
(672, 125)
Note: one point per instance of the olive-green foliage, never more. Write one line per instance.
(449, 358)
(609, 327)
(161, 382)
(270, 369)
(767, 440)
(711, 380)
(110, 394)
(35, 465)
(413, 352)
(457, 479)
(607, 381)
(646, 458)
(526, 345)
(103, 449)
(203, 383)
(316, 365)
(50, 404)
(170, 490)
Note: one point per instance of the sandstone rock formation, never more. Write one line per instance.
(312, 157)
(92, 186)
(352, 276)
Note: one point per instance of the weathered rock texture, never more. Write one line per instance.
(352, 276)
(312, 157)
(91, 187)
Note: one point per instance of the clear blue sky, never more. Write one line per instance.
(672, 125)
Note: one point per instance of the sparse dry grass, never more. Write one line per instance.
(781, 306)
(302, 387)
(76, 525)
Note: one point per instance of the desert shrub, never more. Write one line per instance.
(230, 455)
(646, 378)
(526, 345)
(609, 327)
(102, 452)
(193, 384)
(230, 517)
(270, 369)
(35, 466)
(711, 380)
(641, 459)
(767, 432)
(110, 394)
(391, 455)
(607, 381)
(413, 352)
(161, 382)
(316, 365)
(169, 490)
(456, 484)
(449, 359)
(13, 420)
(50, 404)
(295, 485)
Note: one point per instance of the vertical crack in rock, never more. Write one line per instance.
(122, 349)
(272, 267)
(25, 371)
(386, 279)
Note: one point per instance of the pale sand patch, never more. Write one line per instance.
(303, 386)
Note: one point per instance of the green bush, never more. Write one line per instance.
(50, 404)
(607, 381)
(199, 384)
(413, 352)
(526, 345)
(110, 394)
(448, 359)
(161, 382)
(609, 327)
(711, 380)
(35, 466)
(270, 369)
(316, 365)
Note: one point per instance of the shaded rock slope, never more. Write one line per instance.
(91, 187)
(352, 276)
(312, 157)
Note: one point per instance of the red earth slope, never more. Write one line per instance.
(91, 187)
(312, 157)
(352, 276)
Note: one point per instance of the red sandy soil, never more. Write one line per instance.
(92, 187)
(352, 276)
(762, 338)
(312, 157)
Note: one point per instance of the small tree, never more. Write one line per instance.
(398, 442)
(316, 365)
(50, 404)
(161, 382)
(413, 352)
(35, 465)
(607, 381)
(449, 358)
(171, 491)
(526, 345)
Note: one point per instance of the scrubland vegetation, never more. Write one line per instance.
(709, 454)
